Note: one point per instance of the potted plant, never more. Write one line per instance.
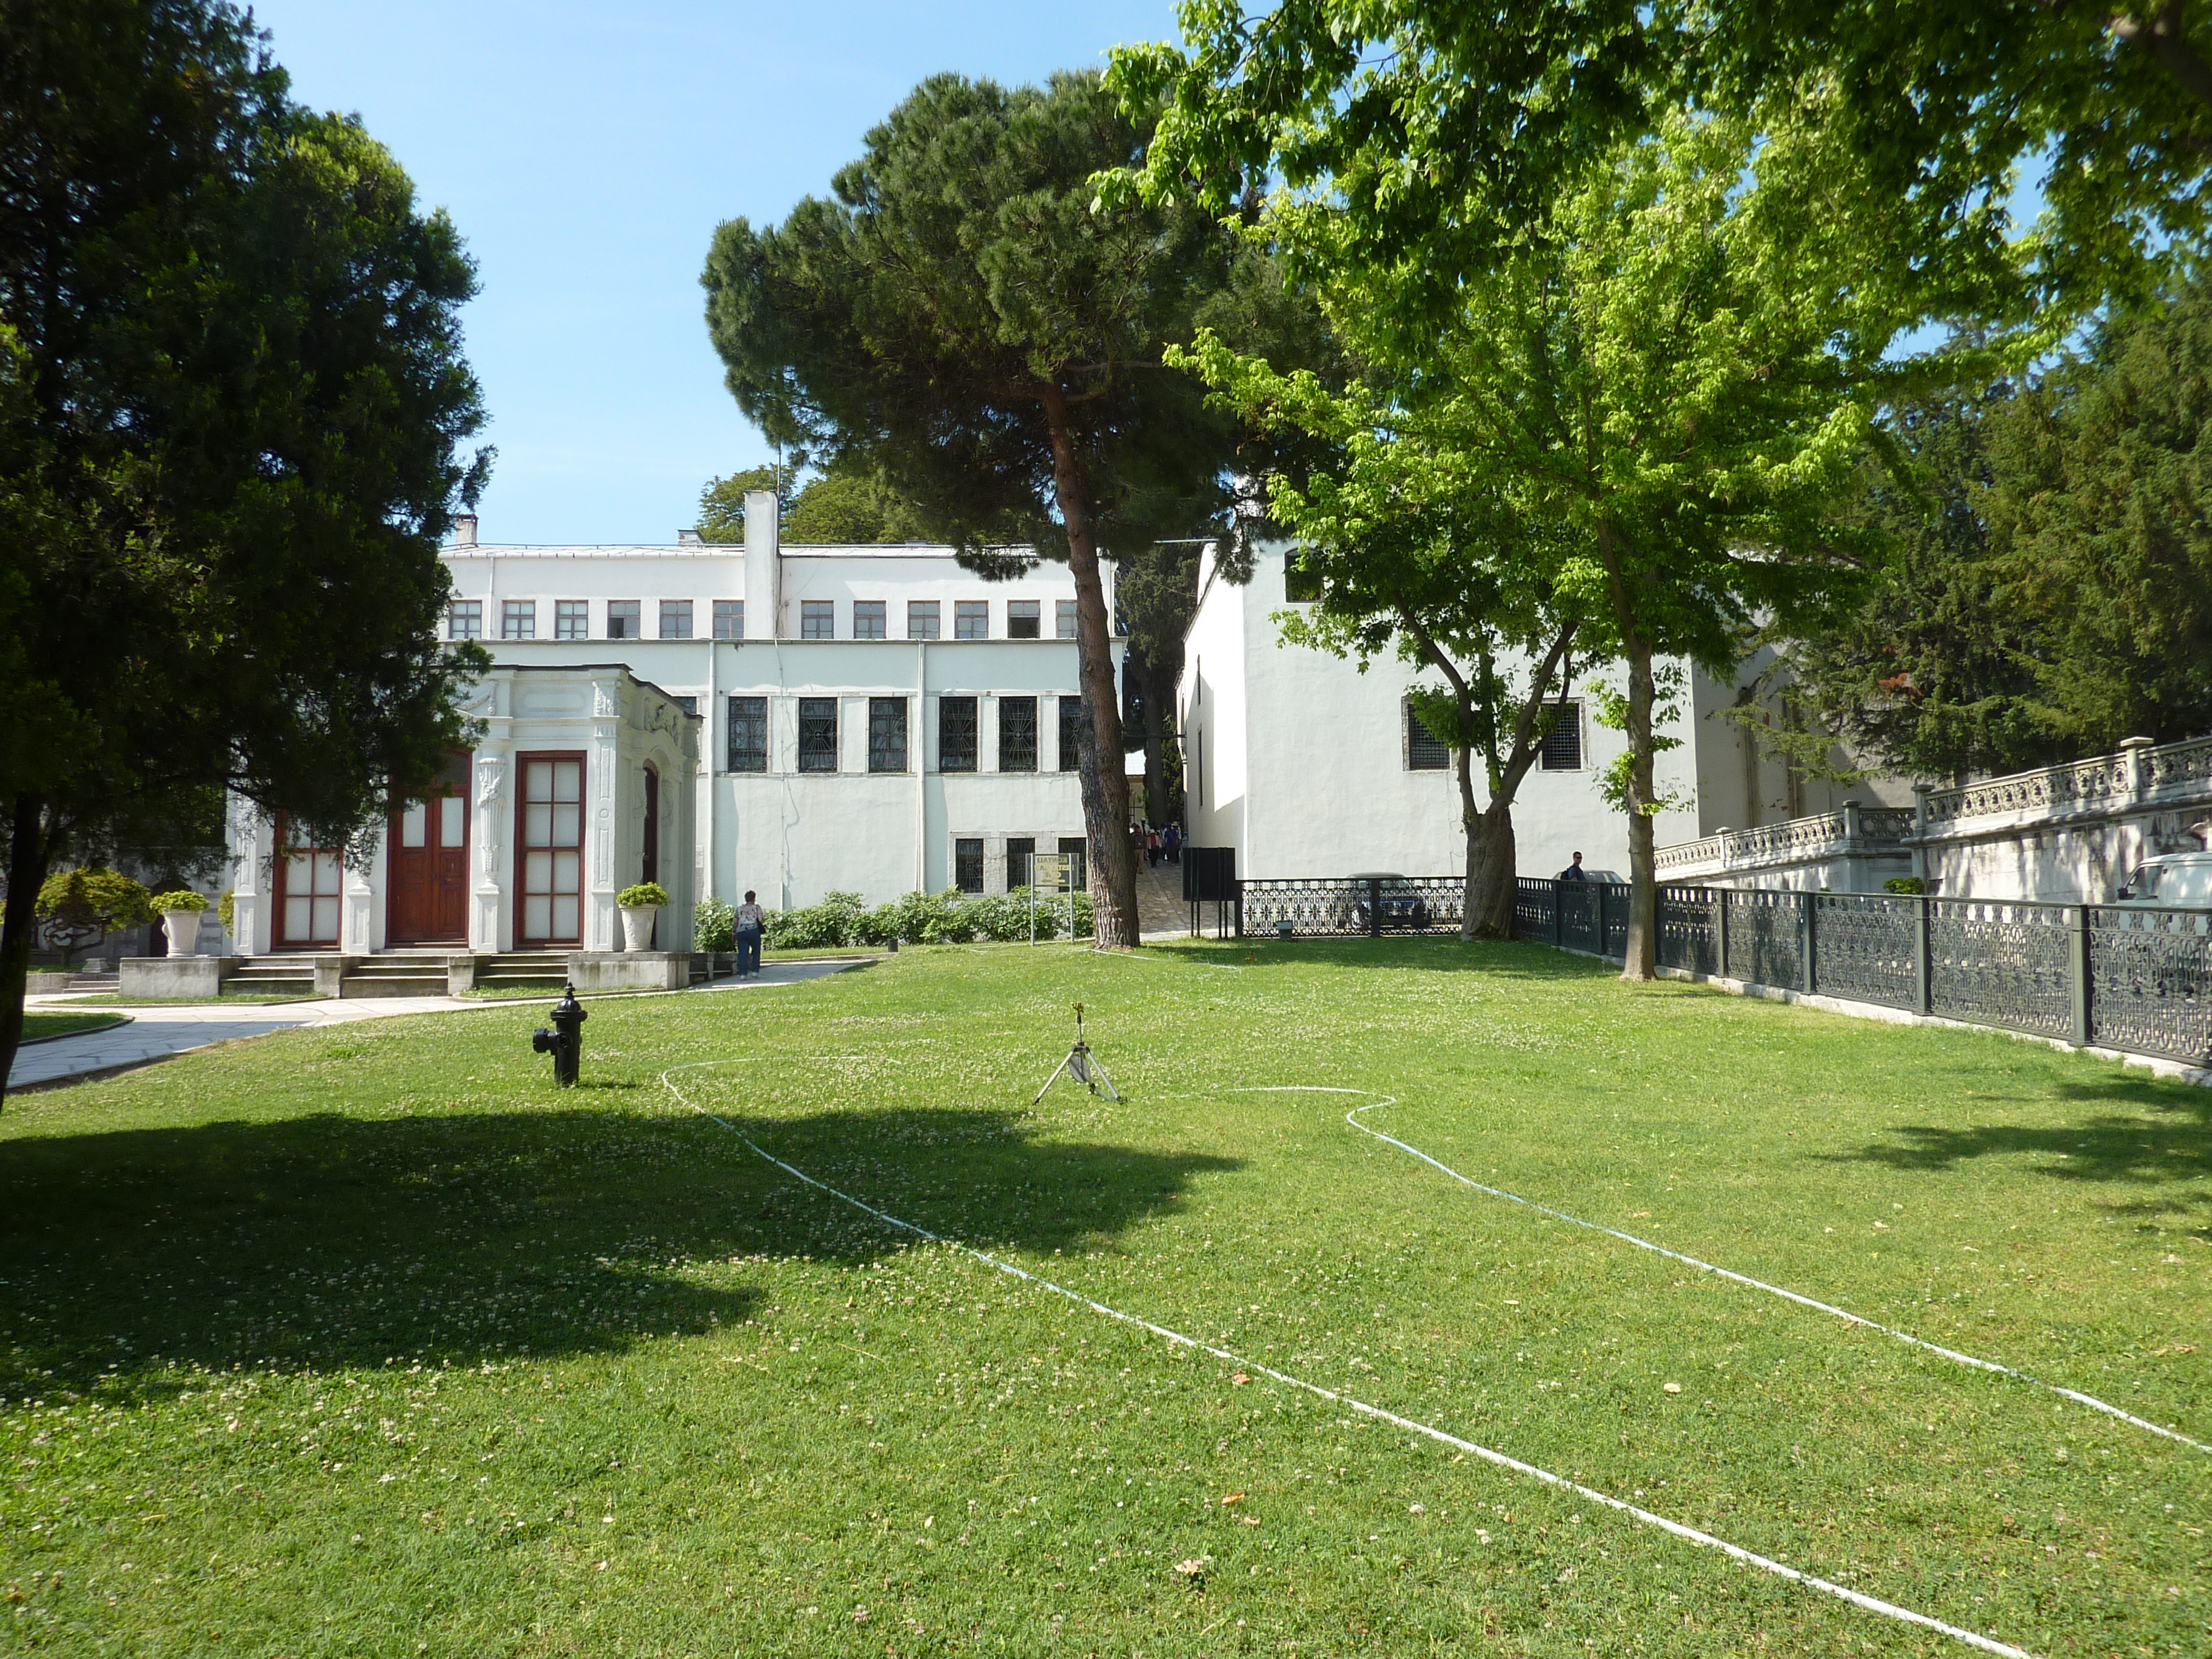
(180, 912)
(640, 905)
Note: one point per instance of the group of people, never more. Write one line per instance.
(1155, 843)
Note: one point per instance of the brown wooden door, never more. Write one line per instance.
(305, 894)
(428, 873)
(549, 837)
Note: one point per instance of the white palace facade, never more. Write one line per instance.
(719, 718)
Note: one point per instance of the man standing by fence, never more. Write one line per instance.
(1574, 872)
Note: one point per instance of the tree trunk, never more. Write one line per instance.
(1105, 778)
(1642, 956)
(29, 851)
(1493, 874)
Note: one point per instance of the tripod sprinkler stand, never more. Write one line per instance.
(1081, 1064)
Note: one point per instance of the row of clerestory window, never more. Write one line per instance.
(959, 733)
(571, 619)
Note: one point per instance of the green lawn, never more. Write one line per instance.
(369, 1341)
(45, 1023)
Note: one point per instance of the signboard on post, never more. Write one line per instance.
(1049, 874)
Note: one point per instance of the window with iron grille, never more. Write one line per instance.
(1017, 734)
(465, 620)
(749, 734)
(1020, 849)
(676, 619)
(1063, 619)
(955, 734)
(922, 619)
(1423, 753)
(572, 619)
(517, 619)
(887, 734)
(968, 864)
(622, 619)
(971, 619)
(818, 619)
(1079, 853)
(1022, 619)
(868, 619)
(1563, 744)
(1071, 734)
(729, 619)
(817, 734)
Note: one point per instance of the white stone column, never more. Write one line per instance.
(602, 822)
(252, 840)
(491, 876)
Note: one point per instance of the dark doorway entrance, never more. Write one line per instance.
(428, 871)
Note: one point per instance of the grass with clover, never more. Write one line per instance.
(370, 1341)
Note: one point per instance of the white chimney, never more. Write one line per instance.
(763, 566)
(465, 530)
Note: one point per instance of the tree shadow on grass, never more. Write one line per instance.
(2166, 1142)
(1432, 953)
(132, 1260)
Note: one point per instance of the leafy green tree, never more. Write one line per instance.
(722, 503)
(1155, 591)
(230, 409)
(1440, 133)
(966, 323)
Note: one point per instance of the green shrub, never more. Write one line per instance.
(946, 918)
(644, 892)
(226, 909)
(1912, 886)
(182, 899)
(93, 900)
(713, 925)
(824, 927)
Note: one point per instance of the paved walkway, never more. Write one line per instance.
(1160, 909)
(155, 1032)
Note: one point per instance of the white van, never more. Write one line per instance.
(2171, 881)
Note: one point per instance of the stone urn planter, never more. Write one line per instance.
(640, 905)
(182, 923)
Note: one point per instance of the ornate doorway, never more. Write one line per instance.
(428, 870)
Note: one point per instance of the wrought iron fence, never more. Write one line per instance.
(1344, 906)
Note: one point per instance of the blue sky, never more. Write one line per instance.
(588, 151)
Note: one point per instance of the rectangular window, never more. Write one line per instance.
(517, 619)
(870, 620)
(623, 623)
(968, 865)
(955, 734)
(922, 619)
(1563, 744)
(1078, 852)
(572, 619)
(749, 734)
(1423, 752)
(1021, 621)
(1071, 734)
(817, 734)
(1017, 734)
(465, 620)
(676, 619)
(1020, 849)
(1300, 586)
(1063, 619)
(887, 734)
(729, 619)
(818, 619)
(971, 619)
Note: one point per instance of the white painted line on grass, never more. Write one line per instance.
(2074, 1395)
(1674, 1529)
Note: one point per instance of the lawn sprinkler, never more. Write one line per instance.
(565, 1042)
(1081, 1064)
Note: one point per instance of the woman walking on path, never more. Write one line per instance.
(750, 920)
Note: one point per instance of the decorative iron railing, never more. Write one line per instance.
(2112, 976)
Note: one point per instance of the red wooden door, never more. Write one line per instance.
(549, 837)
(426, 875)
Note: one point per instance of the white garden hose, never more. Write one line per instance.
(1675, 1528)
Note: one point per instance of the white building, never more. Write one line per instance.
(719, 717)
(1308, 766)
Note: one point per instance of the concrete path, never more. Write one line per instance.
(1161, 912)
(155, 1032)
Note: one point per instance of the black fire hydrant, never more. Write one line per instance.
(565, 1042)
